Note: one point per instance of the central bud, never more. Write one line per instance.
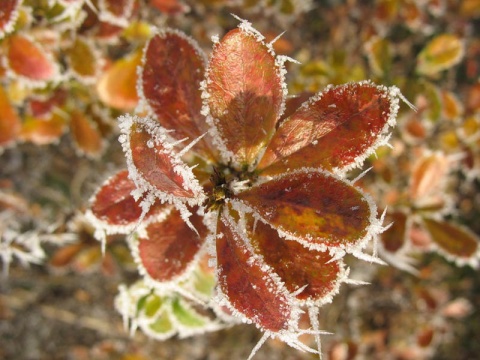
(226, 182)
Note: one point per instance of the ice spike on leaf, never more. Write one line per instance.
(153, 164)
(173, 67)
(316, 208)
(335, 130)
(297, 266)
(243, 94)
(168, 247)
(251, 288)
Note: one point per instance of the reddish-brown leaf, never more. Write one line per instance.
(337, 128)
(29, 60)
(45, 107)
(250, 288)
(170, 81)
(117, 86)
(8, 14)
(156, 165)
(451, 238)
(85, 134)
(245, 94)
(394, 237)
(113, 204)
(9, 121)
(296, 265)
(170, 246)
(314, 207)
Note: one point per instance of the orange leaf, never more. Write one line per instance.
(28, 60)
(85, 134)
(117, 86)
(10, 123)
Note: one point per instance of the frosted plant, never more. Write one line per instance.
(215, 167)
(15, 244)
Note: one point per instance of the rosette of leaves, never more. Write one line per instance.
(266, 197)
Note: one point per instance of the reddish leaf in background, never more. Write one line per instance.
(169, 6)
(296, 265)
(335, 129)
(27, 59)
(85, 134)
(312, 206)
(170, 246)
(118, 8)
(250, 289)
(117, 86)
(245, 94)
(10, 122)
(155, 164)
(45, 107)
(453, 239)
(170, 81)
(394, 237)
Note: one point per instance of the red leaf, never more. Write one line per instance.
(394, 237)
(113, 204)
(10, 122)
(453, 239)
(155, 167)
(250, 288)
(244, 94)
(170, 246)
(296, 265)
(8, 15)
(337, 129)
(313, 207)
(28, 60)
(44, 107)
(173, 68)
